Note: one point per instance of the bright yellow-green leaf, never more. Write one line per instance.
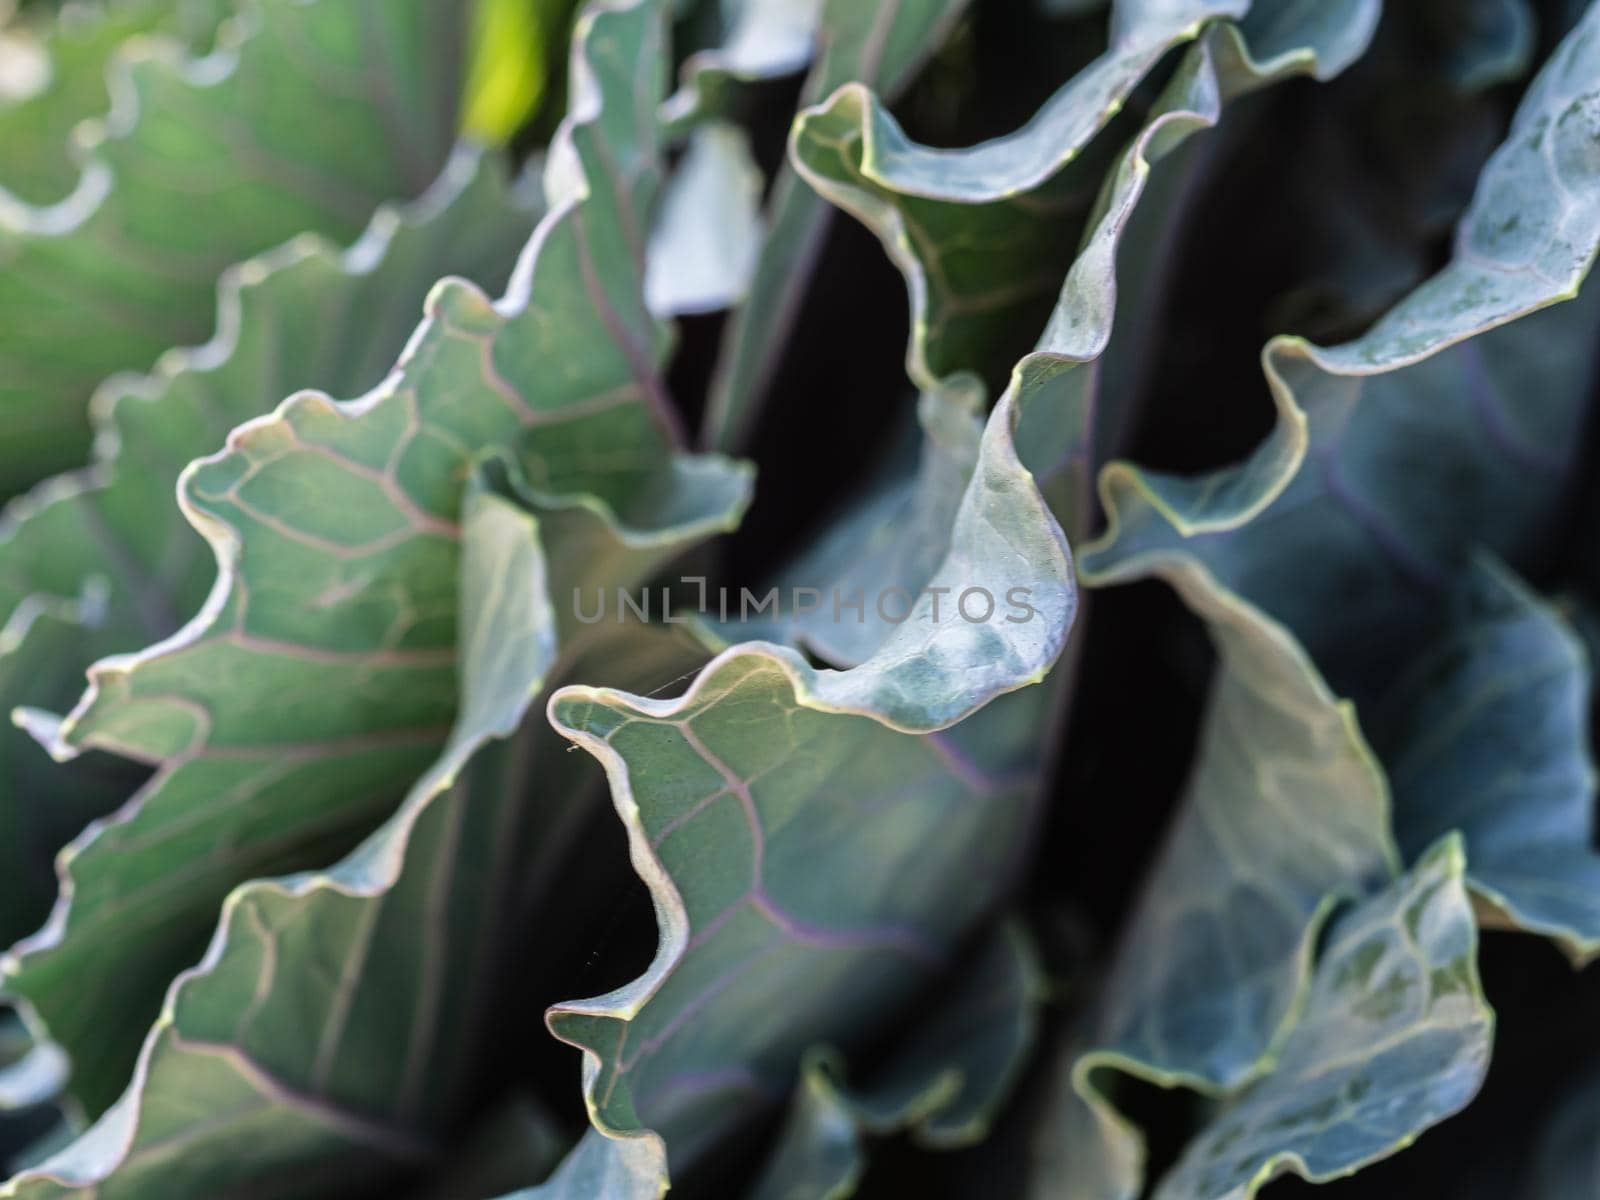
(509, 71)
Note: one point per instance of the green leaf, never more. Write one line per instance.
(749, 798)
(1413, 451)
(30, 1072)
(302, 314)
(1488, 733)
(1398, 454)
(75, 49)
(1494, 41)
(319, 680)
(390, 956)
(741, 742)
(881, 44)
(42, 806)
(819, 1155)
(381, 595)
(675, 805)
(1381, 175)
(897, 537)
(704, 246)
(756, 40)
(606, 1168)
(1394, 1039)
(292, 314)
(233, 1087)
(200, 164)
(1213, 975)
(1286, 813)
(978, 232)
(747, 803)
(508, 75)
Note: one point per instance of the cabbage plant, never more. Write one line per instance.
(798, 598)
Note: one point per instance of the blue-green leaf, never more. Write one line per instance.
(1488, 733)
